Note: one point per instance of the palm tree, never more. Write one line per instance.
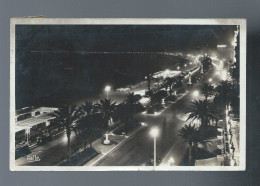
(87, 107)
(131, 98)
(207, 90)
(225, 92)
(200, 138)
(68, 115)
(87, 129)
(179, 80)
(188, 133)
(125, 111)
(106, 108)
(170, 82)
(206, 62)
(149, 79)
(201, 110)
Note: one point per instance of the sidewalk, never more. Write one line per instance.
(104, 150)
(234, 127)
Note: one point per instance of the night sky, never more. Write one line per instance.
(51, 66)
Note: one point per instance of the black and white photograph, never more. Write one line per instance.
(127, 94)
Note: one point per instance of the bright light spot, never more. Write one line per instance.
(227, 118)
(221, 46)
(123, 89)
(178, 68)
(143, 123)
(190, 63)
(232, 162)
(224, 75)
(217, 73)
(226, 112)
(210, 80)
(107, 88)
(221, 64)
(27, 131)
(196, 93)
(166, 71)
(141, 92)
(64, 139)
(185, 65)
(154, 132)
(171, 161)
(214, 58)
(144, 100)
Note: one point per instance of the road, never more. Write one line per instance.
(137, 150)
(50, 153)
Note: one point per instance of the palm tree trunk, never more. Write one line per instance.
(68, 147)
(190, 153)
(170, 91)
(149, 85)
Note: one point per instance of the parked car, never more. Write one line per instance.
(43, 140)
(22, 151)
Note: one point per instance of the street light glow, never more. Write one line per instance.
(107, 88)
(154, 132)
(221, 46)
(210, 80)
(178, 68)
(196, 93)
(224, 75)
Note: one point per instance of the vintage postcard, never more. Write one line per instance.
(127, 94)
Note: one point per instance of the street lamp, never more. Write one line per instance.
(107, 89)
(196, 93)
(154, 133)
(27, 131)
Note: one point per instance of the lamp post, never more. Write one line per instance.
(27, 131)
(189, 83)
(107, 89)
(154, 133)
(201, 69)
